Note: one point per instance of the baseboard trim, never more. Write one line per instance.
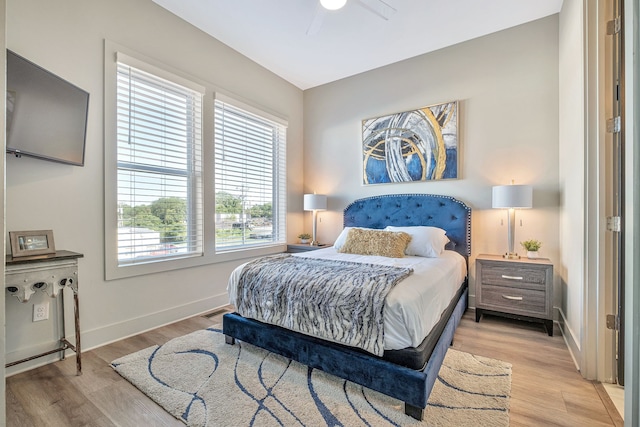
(569, 339)
(99, 337)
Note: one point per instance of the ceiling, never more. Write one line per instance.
(351, 40)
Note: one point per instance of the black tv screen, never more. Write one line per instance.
(46, 115)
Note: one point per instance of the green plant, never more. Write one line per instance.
(531, 245)
(304, 236)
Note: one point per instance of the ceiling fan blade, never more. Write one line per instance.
(379, 7)
(317, 20)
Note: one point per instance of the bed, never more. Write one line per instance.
(407, 374)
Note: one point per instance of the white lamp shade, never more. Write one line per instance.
(333, 4)
(512, 196)
(315, 202)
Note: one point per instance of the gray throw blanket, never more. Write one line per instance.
(339, 301)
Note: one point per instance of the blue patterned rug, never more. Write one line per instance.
(204, 382)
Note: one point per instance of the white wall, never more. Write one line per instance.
(507, 85)
(572, 158)
(67, 37)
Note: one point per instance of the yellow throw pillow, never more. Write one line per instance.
(364, 241)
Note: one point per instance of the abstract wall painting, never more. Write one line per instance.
(418, 145)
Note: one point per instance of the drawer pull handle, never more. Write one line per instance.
(512, 298)
(504, 276)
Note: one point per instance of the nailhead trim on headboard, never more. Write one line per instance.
(445, 212)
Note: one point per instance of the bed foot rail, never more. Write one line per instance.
(414, 411)
(229, 340)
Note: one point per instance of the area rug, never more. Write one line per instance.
(204, 382)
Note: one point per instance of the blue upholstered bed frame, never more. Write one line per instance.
(410, 386)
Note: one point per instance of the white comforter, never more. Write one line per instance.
(415, 304)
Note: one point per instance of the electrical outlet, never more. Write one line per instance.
(40, 311)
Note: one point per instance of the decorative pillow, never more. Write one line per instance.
(364, 241)
(343, 236)
(426, 241)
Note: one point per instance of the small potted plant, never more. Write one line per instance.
(532, 246)
(304, 237)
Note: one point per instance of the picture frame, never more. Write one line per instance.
(30, 243)
(412, 146)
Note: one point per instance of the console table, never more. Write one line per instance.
(50, 273)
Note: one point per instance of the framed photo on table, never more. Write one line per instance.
(29, 243)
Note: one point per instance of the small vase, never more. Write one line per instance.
(532, 254)
(303, 241)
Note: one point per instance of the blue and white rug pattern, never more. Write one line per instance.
(204, 382)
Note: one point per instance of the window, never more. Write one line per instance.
(250, 177)
(190, 178)
(159, 167)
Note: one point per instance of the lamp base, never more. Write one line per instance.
(511, 256)
(314, 243)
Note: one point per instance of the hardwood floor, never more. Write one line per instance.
(546, 389)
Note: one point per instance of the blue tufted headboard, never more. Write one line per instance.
(405, 210)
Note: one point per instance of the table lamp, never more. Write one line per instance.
(512, 197)
(315, 203)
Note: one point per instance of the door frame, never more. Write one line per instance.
(632, 213)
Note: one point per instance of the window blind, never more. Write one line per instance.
(159, 177)
(250, 178)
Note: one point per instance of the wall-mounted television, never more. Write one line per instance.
(46, 115)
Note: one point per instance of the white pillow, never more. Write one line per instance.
(426, 241)
(339, 243)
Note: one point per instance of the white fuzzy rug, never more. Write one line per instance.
(204, 382)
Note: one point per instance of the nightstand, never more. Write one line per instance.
(294, 248)
(518, 288)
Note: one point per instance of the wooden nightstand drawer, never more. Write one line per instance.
(526, 277)
(514, 300)
(296, 248)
